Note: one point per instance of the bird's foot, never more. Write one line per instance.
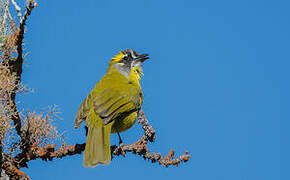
(119, 149)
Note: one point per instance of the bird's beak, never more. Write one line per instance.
(141, 58)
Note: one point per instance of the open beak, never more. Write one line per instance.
(141, 58)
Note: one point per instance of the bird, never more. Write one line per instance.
(112, 106)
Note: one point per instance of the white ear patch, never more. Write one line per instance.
(123, 70)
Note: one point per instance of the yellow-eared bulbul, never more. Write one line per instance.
(112, 106)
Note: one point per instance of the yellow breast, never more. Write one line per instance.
(130, 85)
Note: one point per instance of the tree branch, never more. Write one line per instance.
(16, 66)
(18, 9)
(5, 16)
(140, 148)
(12, 171)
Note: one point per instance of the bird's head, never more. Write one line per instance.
(129, 60)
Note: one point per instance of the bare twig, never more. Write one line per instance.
(18, 10)
(140, 147)
(5, 16)
(10, 16)
(16, 66)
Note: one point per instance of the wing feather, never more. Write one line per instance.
(113, 104)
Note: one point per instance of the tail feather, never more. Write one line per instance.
(97, 150)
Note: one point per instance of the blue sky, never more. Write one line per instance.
(217, 83)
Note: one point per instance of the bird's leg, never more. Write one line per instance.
(120, 139)
(119, 148)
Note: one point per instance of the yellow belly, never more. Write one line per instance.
(123, 123)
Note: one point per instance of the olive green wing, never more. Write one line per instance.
(111, 104)
(108, 105)
(83, 111)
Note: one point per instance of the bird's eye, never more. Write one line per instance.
(125, 58)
